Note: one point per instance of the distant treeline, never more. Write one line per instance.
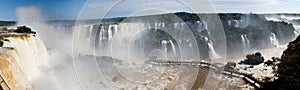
(7, 23)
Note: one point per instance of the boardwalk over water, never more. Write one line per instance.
(217, 67)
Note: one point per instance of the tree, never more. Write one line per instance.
(24, 29)
(253, 59)
(288, 70)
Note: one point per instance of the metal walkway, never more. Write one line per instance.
(217, 67)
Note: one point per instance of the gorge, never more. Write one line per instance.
(113, 51)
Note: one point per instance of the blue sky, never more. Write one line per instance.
(52, 9)
(92, 9)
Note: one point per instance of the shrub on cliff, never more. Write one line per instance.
(288, 70)
(24, 29)
(253, 59)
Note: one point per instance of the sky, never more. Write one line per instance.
(95, 9)
(52, 9)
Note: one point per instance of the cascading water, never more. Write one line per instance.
(43, 70)
(175, 25)
(101, 36)
(149, 26)
(30, 56)
(246, 42)
(155, 26)
(116, 28)
(165, 44)
(212, 53)
(109, 33)
(199, 26)
(90, 36)
(173, 47)
(273, 39)
(84, 34)
(296, 34)
(161, 25)
(204, 24)
(164, 47)
(117, 36)
(182, 26)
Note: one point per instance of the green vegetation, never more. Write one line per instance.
(288, 70)
(257, 28)
(7, 23)
(187, 16)
(253, 59)
(24, 29)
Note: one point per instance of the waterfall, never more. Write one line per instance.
(204, 25)
(296, 33)
(234, 23)
(173, 47)
(212, 53)
(30, 56)
(182, 26)
(109, 31)
(163, 24)
(273, 39)
(119, 37)
(101, 36)
(116, 28)
(156, 25)
(245, 42)
(175, 25)
(159, 25)
(199, 25)
(149, 26)
(90, 36)
(164, 46)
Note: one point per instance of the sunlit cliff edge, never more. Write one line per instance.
(21, 50)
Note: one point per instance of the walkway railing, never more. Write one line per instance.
(248, 78)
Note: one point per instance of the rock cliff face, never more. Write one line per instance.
(21, 58)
